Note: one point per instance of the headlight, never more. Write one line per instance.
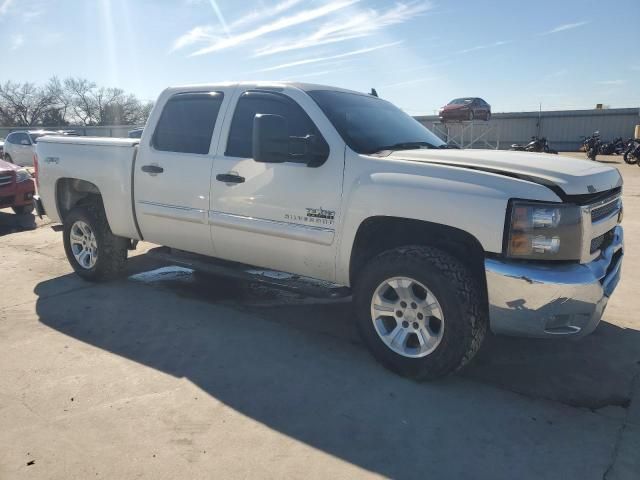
(544, 231)
(22, 175)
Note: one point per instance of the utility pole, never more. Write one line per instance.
(539, 119)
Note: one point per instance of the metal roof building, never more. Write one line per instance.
(563, 129)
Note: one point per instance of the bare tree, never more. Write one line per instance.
(70, 101)
(80, 97)
(57, 115)
(24, 104)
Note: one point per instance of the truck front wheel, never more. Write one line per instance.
(93, 251)
(419, 311)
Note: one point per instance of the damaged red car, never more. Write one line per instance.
(16, 188)
(468, 108)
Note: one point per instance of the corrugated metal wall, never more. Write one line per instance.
(563, 129)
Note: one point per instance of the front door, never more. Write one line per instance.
(277, 215)
(173, 170)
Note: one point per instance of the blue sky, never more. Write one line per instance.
(418, 54)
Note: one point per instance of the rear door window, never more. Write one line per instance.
(187, 122)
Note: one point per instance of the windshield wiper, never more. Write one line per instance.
(404, 146)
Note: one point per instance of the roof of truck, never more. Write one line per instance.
(264, 84)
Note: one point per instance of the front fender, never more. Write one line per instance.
(469, 200)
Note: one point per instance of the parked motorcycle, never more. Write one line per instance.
(535, 145)
(632, 153)
(615, 147)
(591, 145)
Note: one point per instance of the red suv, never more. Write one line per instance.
(16, 188)
(468, 108)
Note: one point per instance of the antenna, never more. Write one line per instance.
(373, 92)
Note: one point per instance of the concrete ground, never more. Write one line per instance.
(180, 376)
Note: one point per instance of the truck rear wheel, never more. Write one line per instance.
(419, 311)
(93, 251)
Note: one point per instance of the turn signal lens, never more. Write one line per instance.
(520, 244)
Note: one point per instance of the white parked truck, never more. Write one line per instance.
(436, 245)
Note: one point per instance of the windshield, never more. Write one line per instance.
(368, 124)
(461, 101)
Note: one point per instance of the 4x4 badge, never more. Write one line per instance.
(321, 213)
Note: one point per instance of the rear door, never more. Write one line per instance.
(173, 170)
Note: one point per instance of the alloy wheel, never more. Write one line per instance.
(83, 244)
(407, 317)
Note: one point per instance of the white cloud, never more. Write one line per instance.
(216, 42)
(195, 35)
(482, 47)
(332, 57)
(611, 82)
(16, 41)
(264, 13)
(4, 6)
(564, 27)
(32, 14)
(361, 24)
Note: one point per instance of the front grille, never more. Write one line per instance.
(605, 211)
(601, 242)
(6, 179)
(599, 223)
(6, 201)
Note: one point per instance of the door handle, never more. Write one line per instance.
(153, 169)
(229, 178)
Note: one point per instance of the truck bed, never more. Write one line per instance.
(106, 163)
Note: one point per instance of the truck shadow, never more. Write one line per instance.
(12, 223)
(298, 367)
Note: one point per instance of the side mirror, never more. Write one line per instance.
(316, 150)
(270, 141)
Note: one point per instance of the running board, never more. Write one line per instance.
(286, 281)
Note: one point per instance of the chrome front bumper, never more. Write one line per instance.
(544, 300)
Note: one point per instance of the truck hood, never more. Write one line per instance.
(572, 176)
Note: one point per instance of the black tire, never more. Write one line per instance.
(488, 116)
(23, 209)
(592, 154)
(629, 158)
(7, 158)
(112, 250)
(471, 115)
(465, 318)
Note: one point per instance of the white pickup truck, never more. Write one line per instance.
(435, 244)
